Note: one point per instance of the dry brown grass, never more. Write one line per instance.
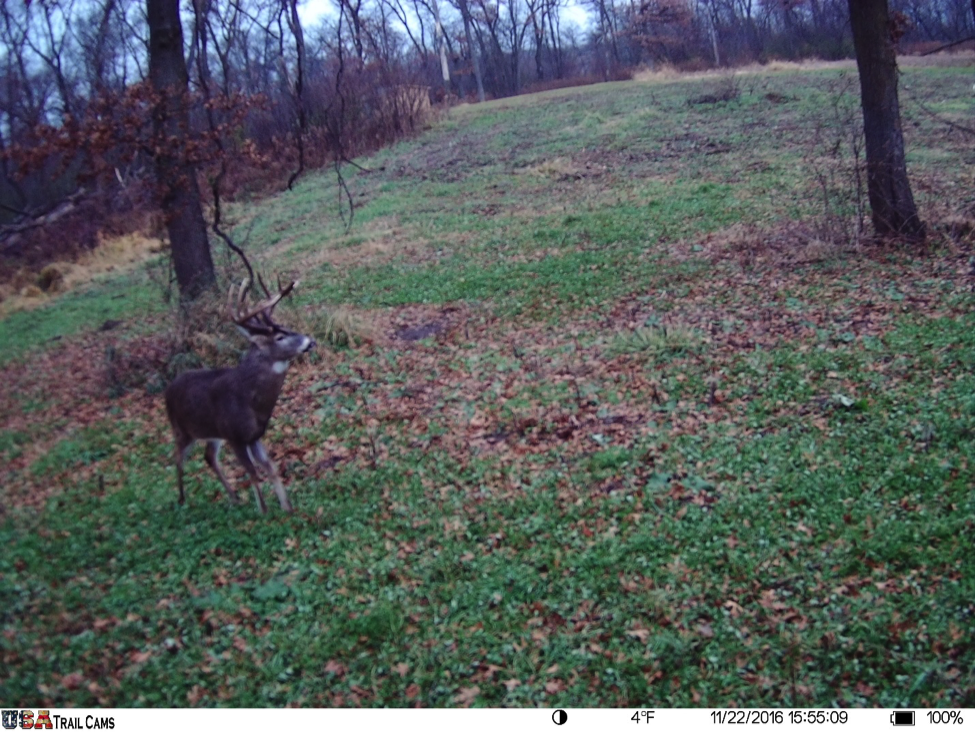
(118, 254)
(945, 59)
(375, 242)
(557, 168)
(666, 73)
(336, 325)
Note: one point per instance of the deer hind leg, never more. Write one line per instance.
(243, 453)
(213, 460)
(183, 444)
(258, 451)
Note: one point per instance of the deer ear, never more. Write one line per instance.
(253, 337)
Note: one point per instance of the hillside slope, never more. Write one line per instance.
(640, 423)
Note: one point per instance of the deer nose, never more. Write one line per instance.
(308, 344)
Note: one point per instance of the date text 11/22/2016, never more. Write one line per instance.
(778, 716)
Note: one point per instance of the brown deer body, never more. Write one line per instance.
(234, 405)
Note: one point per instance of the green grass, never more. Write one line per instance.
(128, 296)
(628, 468)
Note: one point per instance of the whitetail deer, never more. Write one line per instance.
(234, 405)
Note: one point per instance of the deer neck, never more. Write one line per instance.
(265, 376)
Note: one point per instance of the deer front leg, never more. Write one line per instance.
(257, 449)
(213, 460)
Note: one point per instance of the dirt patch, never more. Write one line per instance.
(431, 160)
(414, 323)
(784, 247)
(789, 248)
(419, 332)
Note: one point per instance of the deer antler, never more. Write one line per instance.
(260, 281)
(240, 315)
(283, 292)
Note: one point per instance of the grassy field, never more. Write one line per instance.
(637, 425)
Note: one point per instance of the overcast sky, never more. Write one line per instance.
(312, 10)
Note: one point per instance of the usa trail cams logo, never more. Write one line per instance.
(14, 719)
(25, 719)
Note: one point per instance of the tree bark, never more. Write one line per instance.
(175, 172)
(475, 62)
(298, 91)
(440, 38)
(891, 201)
(556, 44)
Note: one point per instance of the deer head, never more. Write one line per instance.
(269, 340)
(234, 405)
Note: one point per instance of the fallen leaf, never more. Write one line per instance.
(466, 696)
(733, 608)
(641, 634)
(490, 670)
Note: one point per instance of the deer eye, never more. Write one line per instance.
(279, 337)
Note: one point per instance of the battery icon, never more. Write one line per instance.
(902, 719)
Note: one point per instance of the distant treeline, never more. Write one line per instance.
(74, 114)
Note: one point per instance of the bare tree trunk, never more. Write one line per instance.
(889, 191)
(175, 173)
(298, 93)
(539, 67)
(711, 16)
(442, 46)
(101, 40)
(538, 8)
(465, 13)
(556, 44)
